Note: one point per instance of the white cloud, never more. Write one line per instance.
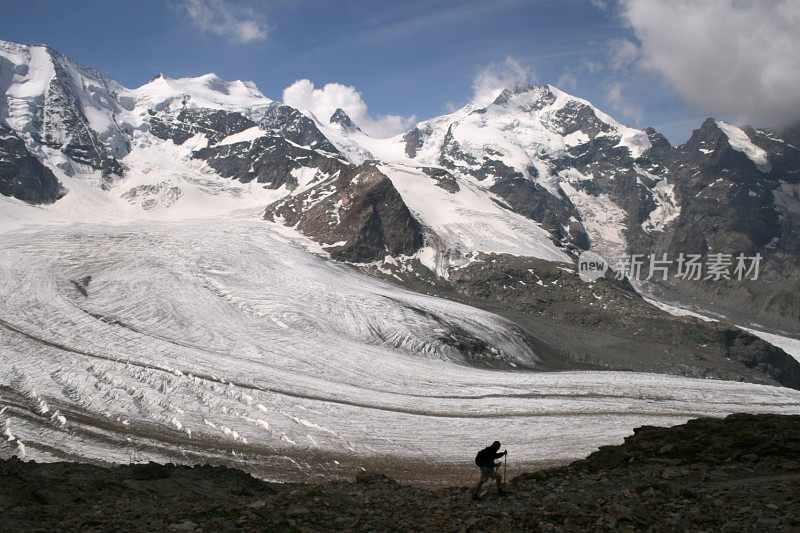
(730, 58)
(325, 101)
(623, 59)
(619, 103)
(567, 80)
(624, 54)
(590, 67)
(450, 107)
(510, 74)
(237, 22)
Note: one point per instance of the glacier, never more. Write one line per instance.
(235, 341)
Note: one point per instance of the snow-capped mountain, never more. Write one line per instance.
(531, 174)
(63, 110)
(592, 182)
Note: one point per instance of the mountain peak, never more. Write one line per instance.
(208, 90)
(344, 121)
(657, 140)
(540, 93)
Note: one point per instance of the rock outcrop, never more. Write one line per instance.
(357, 214)
(22, 176)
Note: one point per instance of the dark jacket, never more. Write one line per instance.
(487, 456)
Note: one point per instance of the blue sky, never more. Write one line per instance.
(409, 59)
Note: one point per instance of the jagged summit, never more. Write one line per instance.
(520, 125)
(344, 121)
(541, 92)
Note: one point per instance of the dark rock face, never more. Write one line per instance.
(190, 120)
(269, 160)
(493, 168)
(713, 183)
(615, 174)
(575, 116)
(521, 195)
(759, 355)
(296, 127)
(452, 157)
(444, 179)
(22, 176)
(537, 203)
(343, 120)
(359, 206)
(414, 140)
(544, 97)
(659, 145)
(730, 205)
(65, 127)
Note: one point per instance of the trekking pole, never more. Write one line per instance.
(505, 464)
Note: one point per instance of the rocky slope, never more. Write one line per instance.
(357, 214)
(605, 324)
(22, 176)
(593, 183)
(740, 473)
(738, 192)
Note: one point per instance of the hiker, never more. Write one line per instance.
(486, 462)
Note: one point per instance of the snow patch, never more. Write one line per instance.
(603, 220)
(248, 135)
(741, 142)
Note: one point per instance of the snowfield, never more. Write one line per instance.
(231, 340)
(468, 221)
